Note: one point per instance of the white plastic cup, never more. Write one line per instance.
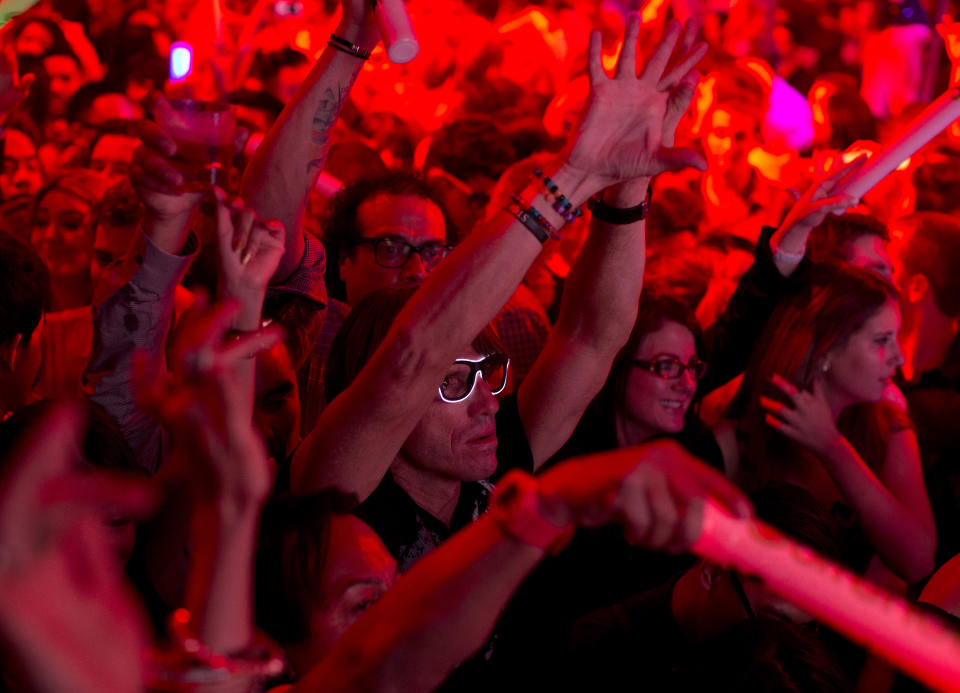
(396, 30)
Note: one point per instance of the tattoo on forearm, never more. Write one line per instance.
(324, 119)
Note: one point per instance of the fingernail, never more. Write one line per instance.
(245, 258)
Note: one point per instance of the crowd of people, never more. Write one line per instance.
(416, 376)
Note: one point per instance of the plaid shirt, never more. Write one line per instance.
(523, 326)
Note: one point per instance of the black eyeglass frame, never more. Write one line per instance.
(697, 367)
(444, 250)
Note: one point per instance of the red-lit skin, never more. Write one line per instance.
(63, 234)
(860, 369)
(22, 173)
(112, 157)
(109, 243)
(869, 252)
(413, 219)
(358, 571)
(276, 404)
(65, 78)
(653, 404)
(453, 442)
(35, 39)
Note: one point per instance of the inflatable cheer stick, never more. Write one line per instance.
(883, 623)
(934, 119)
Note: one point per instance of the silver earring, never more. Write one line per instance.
(825, 367)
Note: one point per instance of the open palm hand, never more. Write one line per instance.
(628, 127)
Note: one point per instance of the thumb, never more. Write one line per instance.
(673, 158)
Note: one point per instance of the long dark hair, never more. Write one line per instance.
(794, 345)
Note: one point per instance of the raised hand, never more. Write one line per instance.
(807, 419)
(648, 490)
(206, 407)
(66, 613)
(250, 250)
(628, 127)
(815, 204)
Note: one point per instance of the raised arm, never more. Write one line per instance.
(220, 460)
(136, 317)
(444, 608)
(600, 297)
(359, 434)
(287, 163)
(772, 276)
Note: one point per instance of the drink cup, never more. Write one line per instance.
(204, 132)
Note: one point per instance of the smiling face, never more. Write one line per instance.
(860, 369)
(62, 234)
(457, 441)
(651, 403)
(409, 218)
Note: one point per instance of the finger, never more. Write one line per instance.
(240, 139)
(671, 159)
(249, 345)
(627, 64)
(840, 171)
(243, 222)
(653, 71)
(785, 386)
(664, 511)
(225, 228)
(277, 232)
(153, 137)
(683, 67)
(837, 203)
(690, 29)
(783, 427)
(594, 60)
(677, 104)
(252, 248)
(157, 169)
(635, 513)
(772, 405)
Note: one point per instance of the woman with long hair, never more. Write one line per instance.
(810, 411)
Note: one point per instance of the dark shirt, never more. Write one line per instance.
(934, 406)
(409, 531)
(638, 640)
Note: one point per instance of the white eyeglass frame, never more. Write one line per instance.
(475, 373)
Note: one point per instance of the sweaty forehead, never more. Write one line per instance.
(408, 216)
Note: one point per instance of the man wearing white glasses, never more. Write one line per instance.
(413, 427)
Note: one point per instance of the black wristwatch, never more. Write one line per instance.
(618, 215)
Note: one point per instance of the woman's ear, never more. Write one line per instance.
(916, 288)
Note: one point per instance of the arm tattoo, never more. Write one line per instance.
(324, 119)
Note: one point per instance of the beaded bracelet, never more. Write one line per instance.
(561, 205)
(190, 661)
(347, 47)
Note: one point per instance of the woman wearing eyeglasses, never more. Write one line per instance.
(652, 388)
